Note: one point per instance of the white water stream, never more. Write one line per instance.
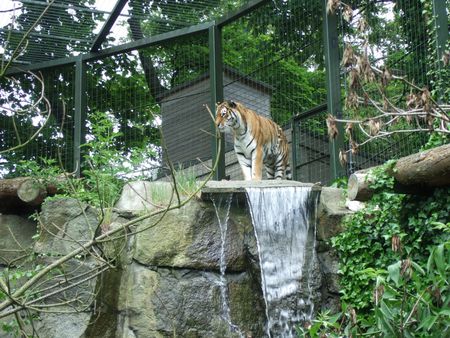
(222, 205)
(284, 223)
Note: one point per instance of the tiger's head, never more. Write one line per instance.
(226, 115)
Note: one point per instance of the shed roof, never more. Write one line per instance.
(236, 75)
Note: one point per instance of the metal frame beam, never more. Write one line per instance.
(42, 65)
(244, 10)
(104, 31)
(127, 47)
(331, 46)
(146, 42)
(441, 24)
(216, 85)
(80, 114)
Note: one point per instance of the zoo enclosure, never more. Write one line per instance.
(279, 58)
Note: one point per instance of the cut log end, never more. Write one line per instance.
(358, 187)
(31, 192)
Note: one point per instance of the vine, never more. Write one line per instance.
(394, 267)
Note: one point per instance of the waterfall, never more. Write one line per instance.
(223, 214)
(284, 224)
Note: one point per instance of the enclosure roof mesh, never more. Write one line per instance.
(64, 28)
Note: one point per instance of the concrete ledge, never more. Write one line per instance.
(215, 187)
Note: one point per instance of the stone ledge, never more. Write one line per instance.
(218, 187)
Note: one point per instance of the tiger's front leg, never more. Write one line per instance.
(246, 166)
(257, 163)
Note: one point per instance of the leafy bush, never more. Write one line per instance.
(394, 266)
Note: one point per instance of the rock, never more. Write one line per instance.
(119, 246)
(16, 238)
(354, 205)
(330, 265)
(190, 238)
(71, 320)
(105, 314)
(65, 223)
(144, 195)
(166, 302)
(331, 212)
(70, 325)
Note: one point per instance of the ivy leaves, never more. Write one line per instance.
(395, 261)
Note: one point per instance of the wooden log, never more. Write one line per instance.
(430, 168)
(28, 190)
(358, 186)
(31, 192)
(415, 174)
(24, 192)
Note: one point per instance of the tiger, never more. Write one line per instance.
(257, 141)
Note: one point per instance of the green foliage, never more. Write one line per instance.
(17, 276)
(186, 180)
(436, 140)
(103, 175)
(394, 266)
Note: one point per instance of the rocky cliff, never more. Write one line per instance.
(165, 280)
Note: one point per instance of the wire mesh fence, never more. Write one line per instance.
(400, 37)
(273, 62)
(37, 118)
(277, 54)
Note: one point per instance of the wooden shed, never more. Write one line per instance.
(186, 123)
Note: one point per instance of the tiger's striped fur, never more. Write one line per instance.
(258, 141)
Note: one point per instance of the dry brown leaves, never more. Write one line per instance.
(332, 127)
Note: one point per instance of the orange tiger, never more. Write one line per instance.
(257, 141)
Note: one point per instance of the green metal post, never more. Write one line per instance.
(441, 24)
(216, 83)
(80, 113)
(294, 146)
(331, 47)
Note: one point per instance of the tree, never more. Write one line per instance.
(382, 101)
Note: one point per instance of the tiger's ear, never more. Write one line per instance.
(231, 104)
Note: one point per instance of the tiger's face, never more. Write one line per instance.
(225, 116)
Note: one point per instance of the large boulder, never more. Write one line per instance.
(144, 195)
(162, 302)
(16, 238)
(190, 237)
(331, 212)
(64, 224)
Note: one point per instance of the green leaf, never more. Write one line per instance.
(383, 322)
(439, 258)
(418, 268)
(394, 272)
(445, 312)
(428, 322)
(333, 319)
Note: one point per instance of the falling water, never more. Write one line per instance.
(223, 214)
(283, 219)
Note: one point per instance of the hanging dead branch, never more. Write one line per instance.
(368, 87)
(31, 110)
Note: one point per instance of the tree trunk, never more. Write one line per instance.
(151, 75)
(415, 174)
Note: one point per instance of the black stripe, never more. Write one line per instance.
(250, 142)
(245, 132)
